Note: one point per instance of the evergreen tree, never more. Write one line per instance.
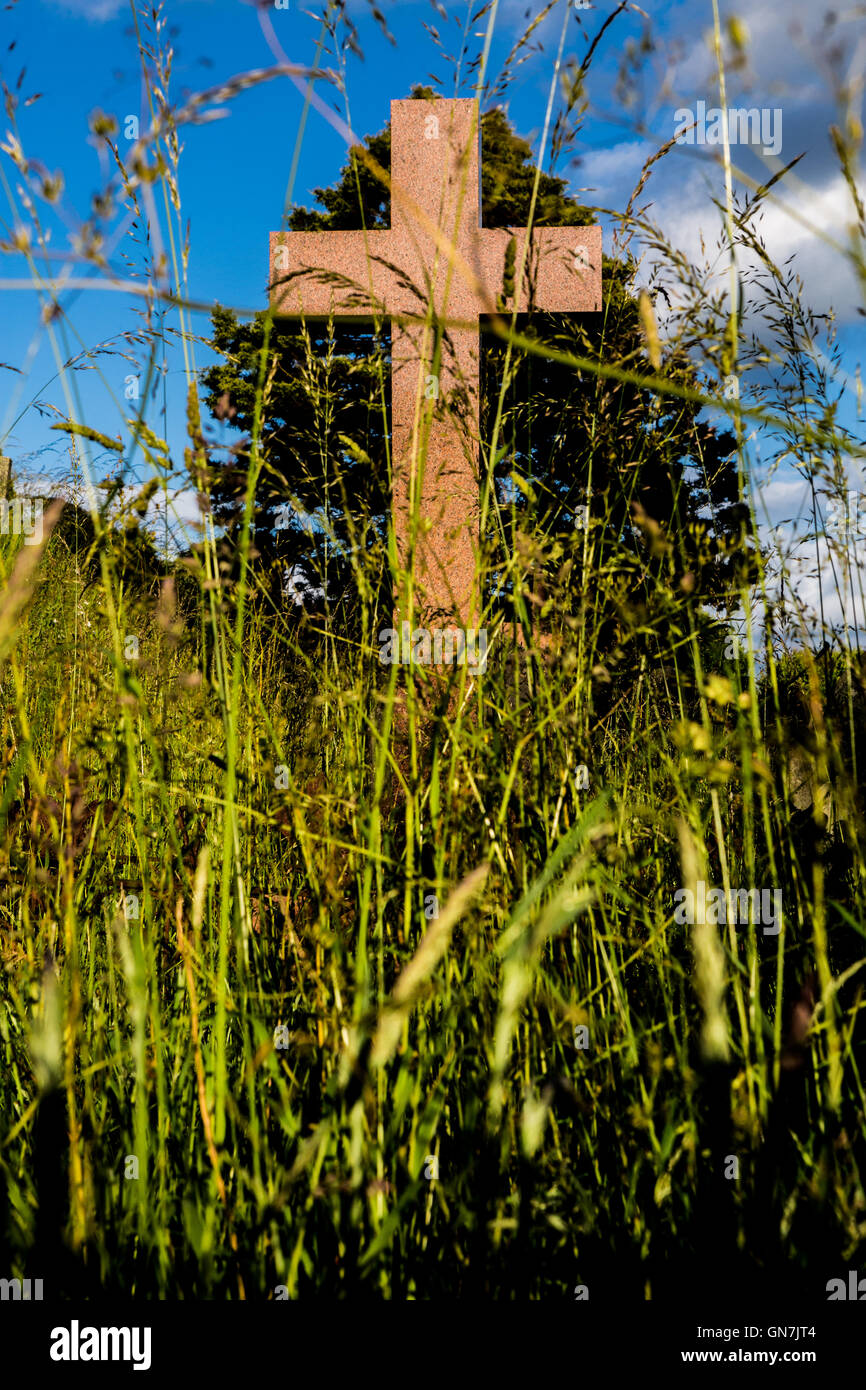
(652, 465)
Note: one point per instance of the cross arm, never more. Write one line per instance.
(562, 272)
(347, 274)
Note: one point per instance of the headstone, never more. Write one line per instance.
(432, 274)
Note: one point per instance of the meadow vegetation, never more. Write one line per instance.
(241, 1051)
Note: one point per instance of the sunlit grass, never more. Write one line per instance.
(240, 1052)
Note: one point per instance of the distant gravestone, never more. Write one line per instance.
(435, 252)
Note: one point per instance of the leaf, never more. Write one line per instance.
(46, 1034)
(70, 427)
(389, 1225)
(765, 187)
(662, 1189)
(13, 777)
(431, 949)
(355, 450)
(586, 828)
(19, 588)
(523, 486)
(847, 917)
(738, 33)
(719, 689)
(145, 435)
(650, 330)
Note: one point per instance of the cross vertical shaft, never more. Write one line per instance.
(433, 273)
(434, 372)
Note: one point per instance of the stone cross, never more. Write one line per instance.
(433, 273)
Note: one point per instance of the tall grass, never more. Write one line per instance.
(241, 1057)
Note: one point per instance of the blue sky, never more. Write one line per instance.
(78, 56)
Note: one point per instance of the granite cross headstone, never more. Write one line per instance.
(433, 273)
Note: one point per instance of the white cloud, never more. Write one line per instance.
(781, 497)
(95, 10)
(779, 63)
(685, 214)
(820, 577)
(607, 171)
(824, 573)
